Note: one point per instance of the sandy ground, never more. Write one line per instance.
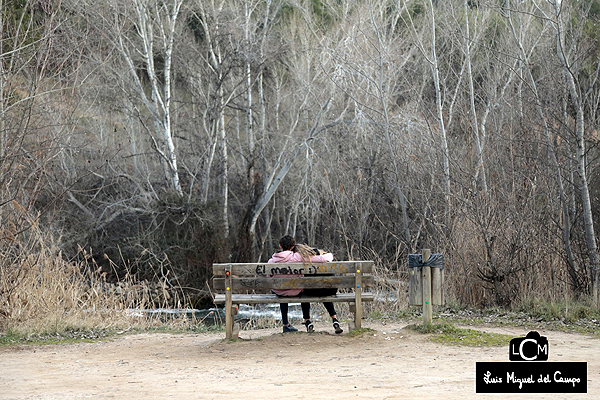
(393, 363)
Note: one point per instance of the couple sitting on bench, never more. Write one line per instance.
(292, 252)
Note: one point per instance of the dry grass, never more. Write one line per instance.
(42, 293)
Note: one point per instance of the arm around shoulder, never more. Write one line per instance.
(327, 257)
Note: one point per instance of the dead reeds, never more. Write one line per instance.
(41, 292)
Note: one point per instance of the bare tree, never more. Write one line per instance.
(479, 134)
(31, 87)
(431, 58)
(36, 76)
(147, 31)
(381, 95)
(433, 61)
(528, 78)
(570, 65)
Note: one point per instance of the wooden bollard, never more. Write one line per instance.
(437, 286)
(415, 287)
(427, 306)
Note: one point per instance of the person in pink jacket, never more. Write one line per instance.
(290, 252)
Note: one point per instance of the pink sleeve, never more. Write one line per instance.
(327, 257)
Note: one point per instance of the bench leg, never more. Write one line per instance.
(232, 329)
(228, 305)
(358, 296)
(358, 313)
(352, 308)
(228, 321)
(356, 309)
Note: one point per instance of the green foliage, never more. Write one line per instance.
(285, 12)
(450, 335)
(569, 312)
(361, 331)
(70, 335)
(594, 12)
(194, 24)
(191, 327)
(379, 314)
(588, 20)
(431, 328)
(376, 314)
(22, 24)
(417, 8)
(324, 13)
(321, 9)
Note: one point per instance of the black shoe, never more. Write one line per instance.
(309, 326)
(337, 327)
(289, 328)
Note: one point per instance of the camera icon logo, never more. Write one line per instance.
(532, 347)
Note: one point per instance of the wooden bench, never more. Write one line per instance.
(236, 284)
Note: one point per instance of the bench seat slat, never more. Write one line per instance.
(272, 298)
(259, 283)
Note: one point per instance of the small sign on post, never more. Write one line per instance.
(426, 282)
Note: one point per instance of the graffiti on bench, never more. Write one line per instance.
(332, 267)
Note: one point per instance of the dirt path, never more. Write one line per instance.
(395, 363)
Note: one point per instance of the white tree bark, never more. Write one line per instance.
(386, 127)
(479, 136)
(570, 71)
(225, 177)
(524, 59)
(283, 166)
(150, 15)
(433, 61)
(248, 9)
(221, 94)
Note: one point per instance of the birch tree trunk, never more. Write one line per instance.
(214, 111)
(148, 16)
(282, 168)
(386, 127)
(225, 176)
(248, 73)
(479, 140)
(570, 71)
(433, 61)
(168, 35)
(227, 81)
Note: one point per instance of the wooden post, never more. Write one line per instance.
(235, 329)
(437, 284)
(415, 287)
(352, 308)
(358, 305)
(228, 304)
(427, 307)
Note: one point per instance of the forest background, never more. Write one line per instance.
(143, 140)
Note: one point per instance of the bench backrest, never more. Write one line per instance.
(258, 276)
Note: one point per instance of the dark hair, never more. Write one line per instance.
(287, 242)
